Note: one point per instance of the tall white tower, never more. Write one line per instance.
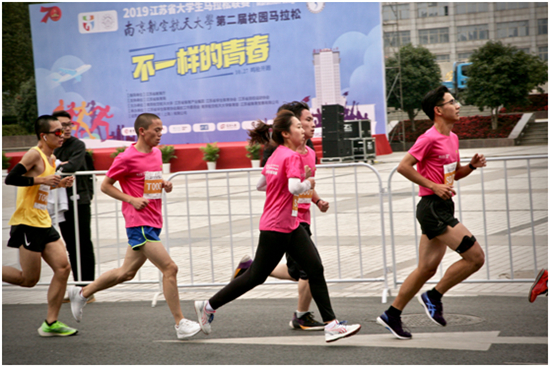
(326, 64)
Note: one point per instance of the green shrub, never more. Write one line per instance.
(210, 152)
(13, 130)
(118, 151)
(468, 127)
(167, 153)
(253, 151)
(5, 161)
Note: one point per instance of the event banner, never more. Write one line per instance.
(208, 70)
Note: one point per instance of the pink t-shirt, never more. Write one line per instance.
(304, 200)
(140, 175)
(437, 156)
(281, 207)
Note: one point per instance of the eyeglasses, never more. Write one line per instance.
(57, 132)
(452, 101)
(69, 124)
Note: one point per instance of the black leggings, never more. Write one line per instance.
(271, 248)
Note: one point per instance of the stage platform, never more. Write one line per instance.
(232, 155)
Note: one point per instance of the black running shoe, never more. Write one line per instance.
(306, 322)
(394, 325)
(434, 309)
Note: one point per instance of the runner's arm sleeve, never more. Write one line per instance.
(296, 187)
(262, 184)
(16, 178)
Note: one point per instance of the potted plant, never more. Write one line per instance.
(118, 151)
(167, 155)
(254, 154)
(5, 162)
(211, 153)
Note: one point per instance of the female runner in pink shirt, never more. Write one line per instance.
(284, 179)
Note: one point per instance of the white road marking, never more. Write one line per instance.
(471, 340)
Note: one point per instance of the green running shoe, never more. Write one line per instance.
(57, 329)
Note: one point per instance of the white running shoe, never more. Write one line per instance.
(340, 330)
(205, 317)
(77, 302)
(187, 328)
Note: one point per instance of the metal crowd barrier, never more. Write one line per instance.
(211, 220)
(488, 216)
(101, 213)
(225, 187)
(231, 200)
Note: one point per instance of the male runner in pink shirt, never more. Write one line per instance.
(139, 171)
(438, 162)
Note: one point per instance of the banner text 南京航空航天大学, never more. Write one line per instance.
(208, 70)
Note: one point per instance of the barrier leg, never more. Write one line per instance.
(155, 298)
(159, 293)
(385, 293)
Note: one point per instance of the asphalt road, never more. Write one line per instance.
(481, 330)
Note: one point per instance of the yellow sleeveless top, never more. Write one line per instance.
(32, 201)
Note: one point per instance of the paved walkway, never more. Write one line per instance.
(483, 330)
(222, 231)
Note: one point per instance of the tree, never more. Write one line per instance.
(25, 105)
(420, 73)
(500, 75)
(17, 59)
(18, 88)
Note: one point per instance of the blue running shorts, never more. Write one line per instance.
(138, 236)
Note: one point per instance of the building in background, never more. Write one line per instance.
(452, 31)
(326, 63)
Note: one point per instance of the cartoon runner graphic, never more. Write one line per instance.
(60, 107)
(81, 113)
(98, 120)
(71, 110)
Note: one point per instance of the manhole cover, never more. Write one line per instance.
(422, 320)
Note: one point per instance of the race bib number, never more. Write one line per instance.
(41, 200)
(295, 205)
(449, 173)
(152, 188)
(305, 198)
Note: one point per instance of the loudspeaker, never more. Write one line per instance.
(332, 117)
(333, 135)
(332, 109)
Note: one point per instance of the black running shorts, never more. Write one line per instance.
(32, 238)
(294, 269)
(435, 214)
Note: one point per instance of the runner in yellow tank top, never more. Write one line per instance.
(32, 232)
(32, 201)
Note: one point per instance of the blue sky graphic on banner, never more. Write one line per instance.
(207, 69)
